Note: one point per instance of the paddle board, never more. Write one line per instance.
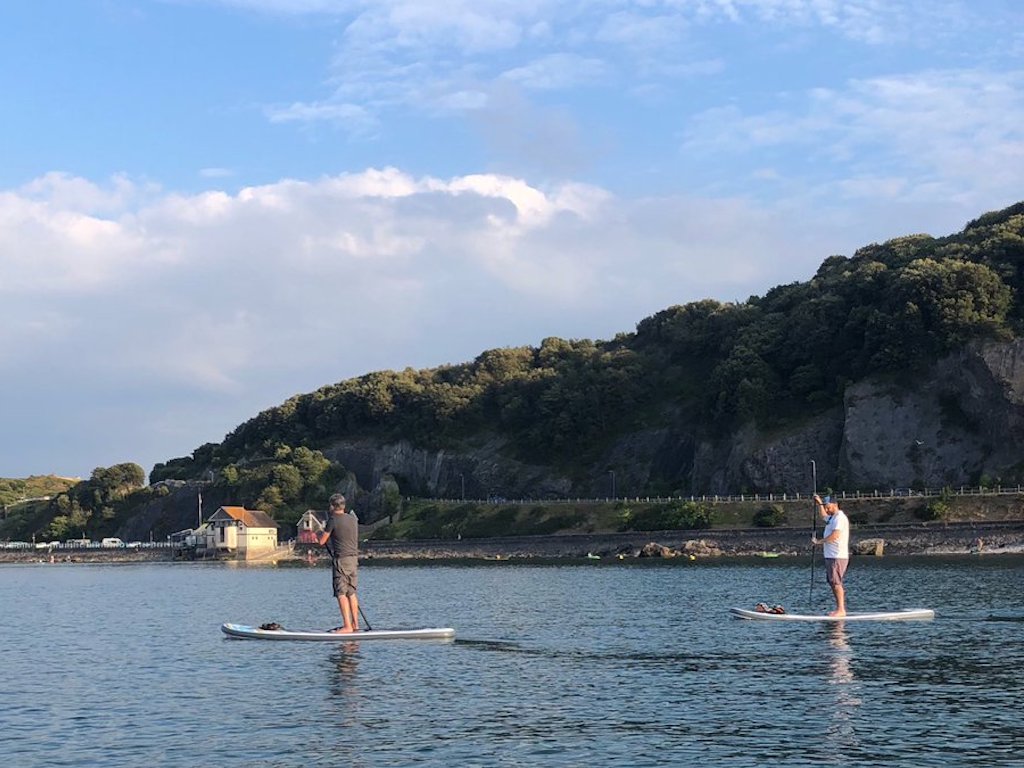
(255, 633)
(905, 615)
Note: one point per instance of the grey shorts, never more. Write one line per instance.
(835, 570)
(345, 578)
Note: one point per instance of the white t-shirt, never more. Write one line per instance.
(839, 549)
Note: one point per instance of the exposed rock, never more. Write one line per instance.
(700, 548)
(951, 425)
(874, 547)
(654, 549)
(961, 420)
(480, 471)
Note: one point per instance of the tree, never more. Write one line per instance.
(288, 480)
(311, 464)
(944, 304)
(118, 480)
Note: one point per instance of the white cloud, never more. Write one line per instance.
(557, 71)
(216, 173)
(444, 56)
(352, 117)
(947, 133)
(215, 305)
(242, 272)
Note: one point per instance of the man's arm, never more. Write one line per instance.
(832, 537)
(325, 534)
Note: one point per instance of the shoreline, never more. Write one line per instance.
(924, 539)
(1003, 537)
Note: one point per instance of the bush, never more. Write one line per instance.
(933, 510)
(674, 515)
(770, 517)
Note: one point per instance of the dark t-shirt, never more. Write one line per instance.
(343, 540)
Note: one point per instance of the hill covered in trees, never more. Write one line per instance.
(698, 375)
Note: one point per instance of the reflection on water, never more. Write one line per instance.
(841, 731)
(345, 670)
(344, 711)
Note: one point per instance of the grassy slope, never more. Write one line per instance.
(432, 520)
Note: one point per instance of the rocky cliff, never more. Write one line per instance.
(962, 422)
(959, 422)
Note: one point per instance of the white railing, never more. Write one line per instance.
(892, 493)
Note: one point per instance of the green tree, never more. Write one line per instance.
(945, 304)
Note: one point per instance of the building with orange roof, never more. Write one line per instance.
(245, 533)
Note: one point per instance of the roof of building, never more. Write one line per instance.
(250, 518)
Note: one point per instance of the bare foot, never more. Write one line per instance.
(342, 630)
(837, 614)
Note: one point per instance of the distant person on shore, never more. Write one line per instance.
(835, 541)
(341, 537)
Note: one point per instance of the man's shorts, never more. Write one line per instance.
(835, 570)
(345, 577)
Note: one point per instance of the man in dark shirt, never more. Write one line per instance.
(341, 537)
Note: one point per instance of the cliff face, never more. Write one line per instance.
(958, 423)
(174, 511)
(480, 472)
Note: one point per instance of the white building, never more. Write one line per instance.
(246, 533)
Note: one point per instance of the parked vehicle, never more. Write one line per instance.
(111, 541)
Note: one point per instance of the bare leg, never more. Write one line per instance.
(346, 615)
(840, 593)
(353, 602)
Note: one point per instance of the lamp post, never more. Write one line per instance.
(612, 473)
(462, 479)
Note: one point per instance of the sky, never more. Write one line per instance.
(209, 206)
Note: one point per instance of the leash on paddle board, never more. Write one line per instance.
(814, 531)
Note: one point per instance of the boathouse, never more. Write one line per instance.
(246, 533)
(310, 526)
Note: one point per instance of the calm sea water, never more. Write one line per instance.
(595, 664)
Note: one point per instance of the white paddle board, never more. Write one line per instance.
(905, 615)
(255, 633)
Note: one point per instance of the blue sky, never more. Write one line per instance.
(207, 206)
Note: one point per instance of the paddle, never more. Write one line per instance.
(365, 621)
(814, 531)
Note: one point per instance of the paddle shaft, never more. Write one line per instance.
(365, 620)
(814, 529)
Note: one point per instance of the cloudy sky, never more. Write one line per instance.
(207, 206)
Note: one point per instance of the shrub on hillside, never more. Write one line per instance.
(770, 517)
(671, 516)
(937, 509)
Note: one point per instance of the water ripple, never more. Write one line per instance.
(126, 667)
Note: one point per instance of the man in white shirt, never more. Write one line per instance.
(835, 542)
